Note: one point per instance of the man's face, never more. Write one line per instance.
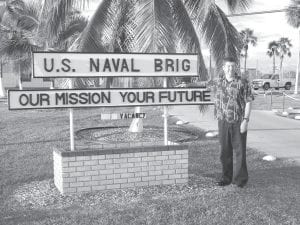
(229, 70)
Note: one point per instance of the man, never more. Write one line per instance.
(233, 107)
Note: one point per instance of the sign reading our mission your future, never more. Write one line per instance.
(72, 98)
(77, 64)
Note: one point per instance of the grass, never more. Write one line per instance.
(28, 195)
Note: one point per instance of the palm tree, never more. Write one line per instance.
(60, 19)
(61, 25)
(247, 39)
(293, 16)
(2, 91)
(161, 26)
(17, 24)
(24, 21)
(273, 52)
(284, 45)
(2, 35)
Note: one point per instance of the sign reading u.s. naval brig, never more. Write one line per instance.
(77, 64)
(70, 98)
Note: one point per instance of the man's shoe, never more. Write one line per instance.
(223, 183)
(241, 185)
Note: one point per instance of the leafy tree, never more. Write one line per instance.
(284, 45)
(293, 17)
(273, 52)
(248, 38)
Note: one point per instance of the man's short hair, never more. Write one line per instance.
(229, 59)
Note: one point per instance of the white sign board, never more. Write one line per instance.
(75, 64)
(70, 98)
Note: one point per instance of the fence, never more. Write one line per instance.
(276, 100)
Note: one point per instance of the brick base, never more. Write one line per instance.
(92, 170)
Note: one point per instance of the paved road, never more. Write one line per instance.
(275, 135)
(268, 132)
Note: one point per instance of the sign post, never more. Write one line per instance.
(72, 142)
(165, 85)
(79, 65)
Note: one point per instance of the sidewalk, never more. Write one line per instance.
(271, 134)
(192, 114)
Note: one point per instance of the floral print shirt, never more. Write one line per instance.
(231, 98)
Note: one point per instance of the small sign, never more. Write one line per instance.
(72, 98)
(77, 64)
(118, 116)
(133, 115)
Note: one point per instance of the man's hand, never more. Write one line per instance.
(244, 126)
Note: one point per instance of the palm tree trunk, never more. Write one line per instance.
(2, 91)
(274, 63)
(20, 78)
(245, 63)
(298, 64)
(281, 69)
(210, 66)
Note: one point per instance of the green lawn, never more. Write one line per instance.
(28, 195)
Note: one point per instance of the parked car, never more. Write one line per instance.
(268, 81)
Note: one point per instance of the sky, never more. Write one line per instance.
(266, 27)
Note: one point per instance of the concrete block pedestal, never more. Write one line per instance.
(93, 170)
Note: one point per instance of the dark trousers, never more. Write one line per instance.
(231, 138)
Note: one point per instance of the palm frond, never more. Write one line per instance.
(53, 13)
(81, 4)
(293, 13)
(198, 10)
(101, 31)
(187, 35)
(16, 47)
(247, 37)
(124, 39)
(221, 36)
(269, 53)
(24, 14)
(75, 25)
(238, 5)
(284, 45)
(153, 26)
(28, 20)
(15, 7)
(272, 48)
(152, 30)
(2, 11)
(58, 16)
